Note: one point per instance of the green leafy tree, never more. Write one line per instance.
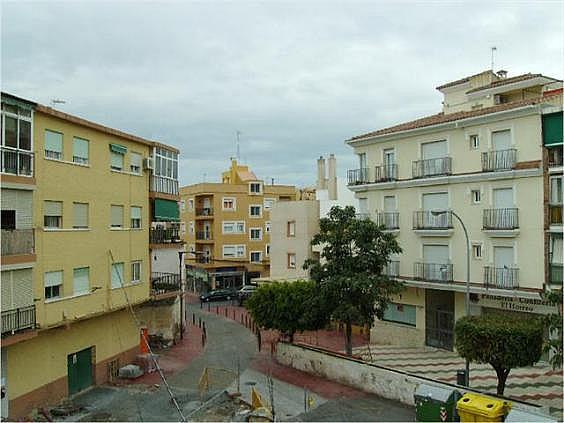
(350, 273)
(504, 343)
(554, 323)
(288, 307)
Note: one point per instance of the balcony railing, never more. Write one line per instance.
(390, 220)
(18, 241)
(203, 259)
(432, 167)
(555, 214)
(204, 235)
(501, 218)
(425, 219)
(164, 235)
(16, 162)
(556, 273)
(501, 277)
(162, 283)
(386, 173)
(555, 156)
(499, 160)
(391, 270)
(358, 176)
(433, 272)
(18, 319)
(164, 185)
(204, 211)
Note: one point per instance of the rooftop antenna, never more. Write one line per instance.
(57, 101)
(493, 48)
(238, 152)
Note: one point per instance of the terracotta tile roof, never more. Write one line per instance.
(451, 117)
(460, 81)
(506, 81)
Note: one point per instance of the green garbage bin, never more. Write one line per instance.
(435, 404)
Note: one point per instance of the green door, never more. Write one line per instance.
(79, 367)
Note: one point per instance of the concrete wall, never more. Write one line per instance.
(161, 318)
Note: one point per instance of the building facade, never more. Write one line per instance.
(66, 322)
(480, 159)
(226, 227)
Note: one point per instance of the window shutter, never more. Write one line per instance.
(135, 159)
(81, 280)
(135, 212)
(53, 208)
(53, 278)
(434, 150)
(117, 275)
(53, 141)
(117, 216)
(80, 215)
(117, 160)
(80, 148)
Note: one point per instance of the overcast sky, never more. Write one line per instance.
(296, 78)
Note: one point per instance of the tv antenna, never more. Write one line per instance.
(57, 101)
(494, 49)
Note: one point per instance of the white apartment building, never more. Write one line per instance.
(480, 158)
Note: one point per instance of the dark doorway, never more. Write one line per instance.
(439, 319)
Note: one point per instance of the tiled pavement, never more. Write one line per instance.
(538, 384)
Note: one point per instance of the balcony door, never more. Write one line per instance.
(389, 162)
(437, 201)
(435, 258)
(503, 257)
(501, 140)
(503, 198)
(390, 208)
(363, 207)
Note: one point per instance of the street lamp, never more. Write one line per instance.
(180, 254)
(467, 300)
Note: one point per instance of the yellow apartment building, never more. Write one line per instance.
(226, 227)
(481, 159)
(80, 247)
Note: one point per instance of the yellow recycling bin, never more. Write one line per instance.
(479, 408)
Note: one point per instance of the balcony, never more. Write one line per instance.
(164, 235)
(501, 219)
(389, 220)
(555, 214)
(164, 185)
(386, 173)
(17, 162)
(18, 319)
(204, 259)
(432, 272)
(500, 160)
(164, 283)
(204, 212)
(358, 176)
(426, 220)
(18, 242)
(501, 277)
(204, 235)
(555, 273)
(391, 270)
(432, 167)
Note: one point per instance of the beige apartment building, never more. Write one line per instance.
(481, 159)
(227, 228)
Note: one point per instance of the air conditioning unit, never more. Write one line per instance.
(148, 163)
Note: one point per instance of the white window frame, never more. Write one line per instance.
(60, 285)
(254, 183)
(139, 265)
(78, 159)
(60, 217)
(74, 291)
(132, 220)
(239, 250)
(139, 170)
(267, 250)
(267, 227)
(251, 234)
(190, 204)
(18, 117)
(119, 282)
(251, 256)
(236, 224)
(289, 225)
(550, 190)
(477, 245)
(289, 261)
(260, 211)
(233, 200)
(474, 141)
(122, 216)
(473, 197)
(51, 154)
(270, 202)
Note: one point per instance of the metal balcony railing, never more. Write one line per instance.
(16, 162)
(501, 277)
(432, 167)
(358, 176)
(391, 270)
(555, 156)
(425, 219)
(555, 273)
(433, 272)
(18, 319)
(164, 185)
(495, 161)
(204, 235)
(204, 211)
(555, 214)
(18, 241)
(162, 283)
(164, 235)
(386, 173)
(203, 259)
(501, 219)
(390, 220)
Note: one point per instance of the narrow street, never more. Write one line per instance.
(229, 345)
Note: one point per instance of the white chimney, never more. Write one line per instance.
(332, 177)
(321, 180)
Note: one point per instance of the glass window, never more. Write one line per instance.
(81, 280)
(80, 150)
(240, 251)
(135, 271)
(256, 234)
(476, 196)
(241, 227)
(25, 135)
(117, 275)
(268, 203)
(229, 204)
(11, 131)
(53, 284)
(255, 188)
(256, 256)
(53, 214)
(255, 211)
(80, 215)
(267, 227)
(135, 163)
(53, 145)
(291, 261)
(291, 228)
(401, 313)
(116, 216)
(474, 142)
(228, 227)
(229, 251)
(135, 217)
(556, 190)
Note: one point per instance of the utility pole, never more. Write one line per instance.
(238, 148)
(494, 48)
(180, 256)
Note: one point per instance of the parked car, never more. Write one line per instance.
(218, 295)
(245, 293)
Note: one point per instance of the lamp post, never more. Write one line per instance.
(467, 299)
(180, 255)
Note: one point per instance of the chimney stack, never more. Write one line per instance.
(321, 180)
(332, 177)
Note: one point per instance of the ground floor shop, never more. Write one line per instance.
(203, 280)
(62, 361)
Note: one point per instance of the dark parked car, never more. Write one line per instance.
(217, 295)
(245, 293)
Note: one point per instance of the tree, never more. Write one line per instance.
(503, 343)
(554, 323)
(350, 274)
(289, 307)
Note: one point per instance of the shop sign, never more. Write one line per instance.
(524, 305)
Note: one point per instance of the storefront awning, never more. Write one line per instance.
(116, 148)
(552, 132)
(166, 210)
